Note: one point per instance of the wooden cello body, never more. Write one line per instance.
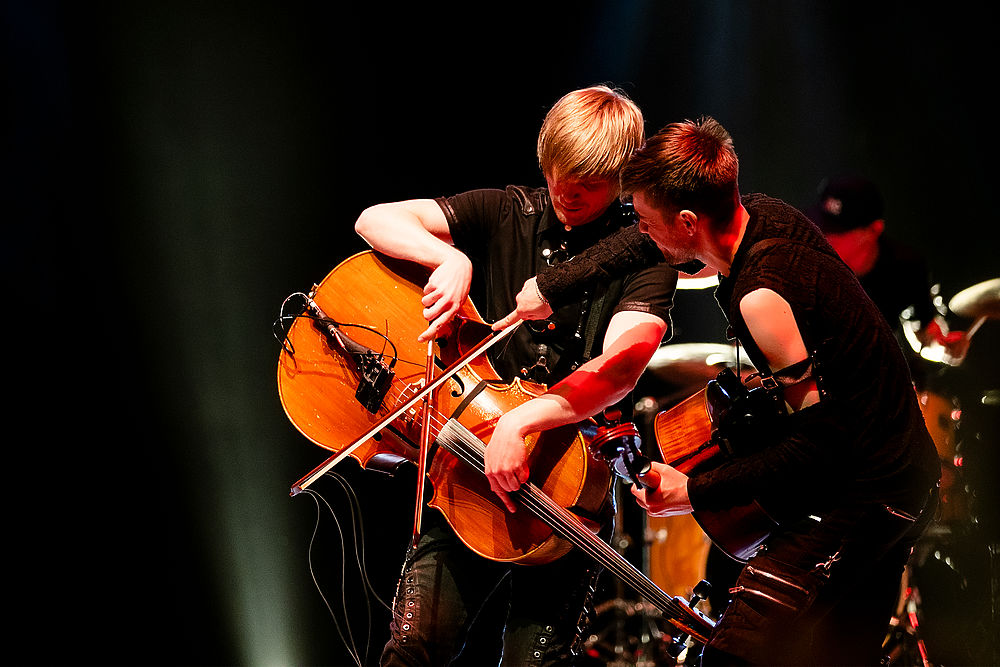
(351, 366)
(375, 301)
(689, 442)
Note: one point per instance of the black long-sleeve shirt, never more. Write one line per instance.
(866, 439)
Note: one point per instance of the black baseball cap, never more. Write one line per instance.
(846, 203)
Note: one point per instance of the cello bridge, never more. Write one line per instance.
(410, 418)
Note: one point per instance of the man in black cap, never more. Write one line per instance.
(850, 211)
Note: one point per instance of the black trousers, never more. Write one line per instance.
(822, 591)
(444, 585)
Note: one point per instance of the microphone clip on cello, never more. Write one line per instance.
(373, 374)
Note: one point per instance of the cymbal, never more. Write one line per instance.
(692, 363)
(980, 300)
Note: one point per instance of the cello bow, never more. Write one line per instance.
(474, 353)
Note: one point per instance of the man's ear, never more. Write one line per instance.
(689, 220)
(877, 227)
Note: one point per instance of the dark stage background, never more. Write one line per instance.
(173, 170)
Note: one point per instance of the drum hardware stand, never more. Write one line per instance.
(619, 444)
(615, 641)
(993, 549)
(618, 648)
(907, 625)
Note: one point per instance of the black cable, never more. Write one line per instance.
(348, 640)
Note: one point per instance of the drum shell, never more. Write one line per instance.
(678, 550)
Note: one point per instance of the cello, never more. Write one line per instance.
(706, 429)
(350, 377)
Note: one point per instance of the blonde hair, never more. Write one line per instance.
(590, 133)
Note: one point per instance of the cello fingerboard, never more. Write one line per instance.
(461, 442)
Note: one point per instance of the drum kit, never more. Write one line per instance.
(949, 603)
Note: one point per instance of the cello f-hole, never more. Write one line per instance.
(439, 362)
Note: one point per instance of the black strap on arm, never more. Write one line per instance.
(788, 376)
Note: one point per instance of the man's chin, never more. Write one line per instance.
(669, 255)
(690, 267)
(574, 219)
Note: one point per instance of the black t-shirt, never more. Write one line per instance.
(866, 439)
(510, 236)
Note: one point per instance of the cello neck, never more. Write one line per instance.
(470, 449)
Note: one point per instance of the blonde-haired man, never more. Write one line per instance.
(589, 133)
(590, 353)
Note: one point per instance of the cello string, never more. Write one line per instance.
(469, 449)
(472, 454)
(547, 510)
(558, 517)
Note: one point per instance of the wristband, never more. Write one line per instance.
(541, 297)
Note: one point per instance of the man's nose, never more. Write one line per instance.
(569, 194)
